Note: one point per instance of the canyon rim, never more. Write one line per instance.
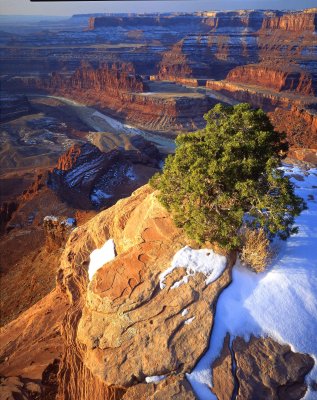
(103, 294)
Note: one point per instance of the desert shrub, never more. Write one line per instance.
(256, 251)
(226, 176)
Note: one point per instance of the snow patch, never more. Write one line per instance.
(50, 218)
(99, 257)
(189, 320)
(280, 303)
(203, 260)
(154, 378)
(184, 312)
(97, 196)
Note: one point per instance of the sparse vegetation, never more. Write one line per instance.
(226, 177)
(256, 249)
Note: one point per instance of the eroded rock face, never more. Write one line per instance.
(174, 388)
(278, 77)
(114, 79)
(123, 327)
(14, 386)
(125, 94)
(87, 178)
(28, 368)
(57, 231)
(34, 188)
(295, 22)
(300, 126)
(29, 347)
(264, 369)
(222, 373)
(261, 97)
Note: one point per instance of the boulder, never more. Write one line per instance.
(263, 369)
(126, 326)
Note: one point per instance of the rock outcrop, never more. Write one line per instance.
(261, 97)
(118, 321)
(282, 372)
(131, 332)
(277, 77)
(223, 379)
(87, 178)
(35, 187)
(29, 347)
(260, 368)
(57, 231)
(292, 22)
(170, 388)
(114, 79)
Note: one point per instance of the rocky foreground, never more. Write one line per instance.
(141, 323)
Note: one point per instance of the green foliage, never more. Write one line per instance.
(226, 176)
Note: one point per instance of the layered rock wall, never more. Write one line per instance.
(266, 100)
(276, 77)
(239, 38)
(114, 79)
(292, 22)
(118, 90)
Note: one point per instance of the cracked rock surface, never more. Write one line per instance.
(264, 370)
(124, 326)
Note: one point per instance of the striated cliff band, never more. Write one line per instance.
(120, 92)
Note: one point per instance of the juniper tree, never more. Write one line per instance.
(227, 176)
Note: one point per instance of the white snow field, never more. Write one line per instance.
(280, 303)
(99, 257)
(205, 261)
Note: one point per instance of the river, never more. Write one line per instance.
(100, 122)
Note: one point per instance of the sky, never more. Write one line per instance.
(26, 7)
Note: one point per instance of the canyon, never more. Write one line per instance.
(90, 107)
(163, 73)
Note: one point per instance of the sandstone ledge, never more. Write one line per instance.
(122, 327)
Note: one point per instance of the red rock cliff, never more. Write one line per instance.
(295, 22)
(278, 77)
(115, 79)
